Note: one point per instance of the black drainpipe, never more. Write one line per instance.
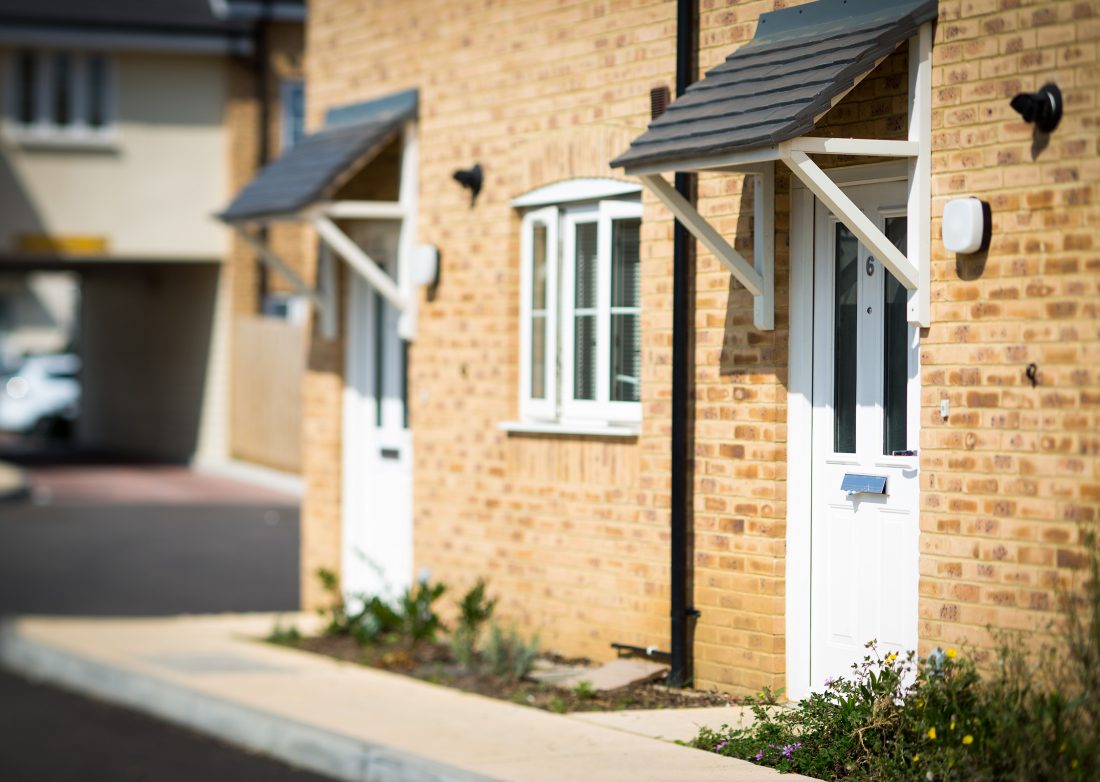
(682, 518)
(262, 75)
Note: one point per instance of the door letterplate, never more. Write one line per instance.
(855, 483)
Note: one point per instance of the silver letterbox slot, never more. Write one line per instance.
(855, 483)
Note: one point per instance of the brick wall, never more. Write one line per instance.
(573, 532)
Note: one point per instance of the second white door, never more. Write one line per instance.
(377, 508)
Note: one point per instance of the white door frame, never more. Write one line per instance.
(800, 413)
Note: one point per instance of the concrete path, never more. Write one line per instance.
(352, 723)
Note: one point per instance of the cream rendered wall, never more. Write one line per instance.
(152, 194)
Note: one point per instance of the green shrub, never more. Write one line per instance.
(335, 612)
(413, 619)
(419, 622)
(1031, 718)
(584, 690)
(376, 621)
(474, 610)
(287, 635)
(506, 654)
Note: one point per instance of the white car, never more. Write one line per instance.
(42, 391)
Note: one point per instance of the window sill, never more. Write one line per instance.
(594, 429)
(56, 138)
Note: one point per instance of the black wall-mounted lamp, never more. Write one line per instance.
(1044, 107)
(471, 179)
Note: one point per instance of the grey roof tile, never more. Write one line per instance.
(772, 88)
(316, 166)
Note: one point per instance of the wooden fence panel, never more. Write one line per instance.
(269, 362)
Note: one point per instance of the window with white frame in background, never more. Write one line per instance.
(60, 95)
(292, 97)
(580, 309)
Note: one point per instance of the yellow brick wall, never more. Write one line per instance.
(573, 532)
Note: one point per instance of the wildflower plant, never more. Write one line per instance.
(1026, 716)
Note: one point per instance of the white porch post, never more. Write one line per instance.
(920, 174)
(763, 246)
(406, 243)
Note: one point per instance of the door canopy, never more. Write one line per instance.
(299, 186)
(758, 106)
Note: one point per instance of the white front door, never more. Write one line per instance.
(377, 549)
(864, 545)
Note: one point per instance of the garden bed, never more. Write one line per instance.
(434, 662)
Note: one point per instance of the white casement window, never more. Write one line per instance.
(292, 100)
(60, 96)
(581, 313)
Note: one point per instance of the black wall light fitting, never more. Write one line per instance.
(471, 179)
(1044, 107)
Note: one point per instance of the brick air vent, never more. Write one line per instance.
(658, 101)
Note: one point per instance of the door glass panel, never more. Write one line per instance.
(845, 340)
(626, 347)
(379, 356)
(538, 312)
(895, 341)
(584, 313)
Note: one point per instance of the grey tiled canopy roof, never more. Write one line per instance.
(317, 165)
(772, 88)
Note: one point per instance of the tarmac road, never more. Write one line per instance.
(109, 540)
(48, 735)
(129, 541)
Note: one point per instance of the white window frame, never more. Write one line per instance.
(43, 130)
(559, 406)
(530, 408)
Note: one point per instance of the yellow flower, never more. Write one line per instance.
(968, 739)
(932, 733)
(891, 657)
(916, 758)
(952, 724)
(952, 653)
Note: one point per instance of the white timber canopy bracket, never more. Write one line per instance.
(299, 186)
(742, 117)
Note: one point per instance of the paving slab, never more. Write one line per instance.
(669, 724)
(615, 675)
(210, 674)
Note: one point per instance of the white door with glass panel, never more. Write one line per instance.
(377, 486)
(866, 520)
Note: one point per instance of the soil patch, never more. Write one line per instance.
(434, 663)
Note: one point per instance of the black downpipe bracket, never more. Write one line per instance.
(683, 256)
